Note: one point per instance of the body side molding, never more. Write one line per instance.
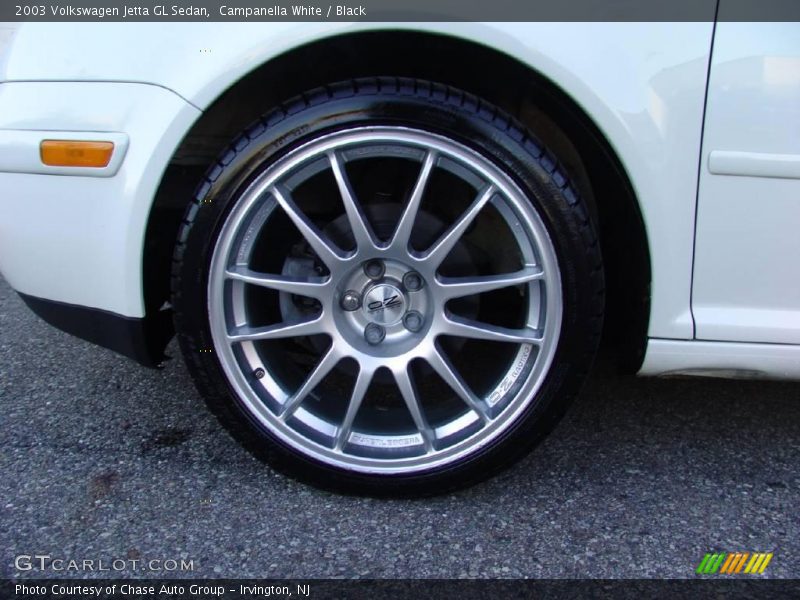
(754, 164)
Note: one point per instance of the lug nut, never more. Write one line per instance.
(374, 334)
(374, 269)
(413, 321)
(412, 281)
(351, 300)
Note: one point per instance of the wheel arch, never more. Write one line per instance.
(541, 104)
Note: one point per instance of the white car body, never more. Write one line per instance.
(703, 117)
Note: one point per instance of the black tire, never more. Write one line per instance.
(424, 106)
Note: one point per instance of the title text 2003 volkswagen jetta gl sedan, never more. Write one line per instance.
(389, 252)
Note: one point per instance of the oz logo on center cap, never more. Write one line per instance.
(385, 304)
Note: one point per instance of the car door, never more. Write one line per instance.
(746, 284)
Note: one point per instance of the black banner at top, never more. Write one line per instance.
(398, 10)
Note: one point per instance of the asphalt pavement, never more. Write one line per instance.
(102, 459)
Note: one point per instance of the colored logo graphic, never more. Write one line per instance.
(731, 563)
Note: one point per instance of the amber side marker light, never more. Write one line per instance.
(76, 153)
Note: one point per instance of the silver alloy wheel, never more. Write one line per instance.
(383, 305)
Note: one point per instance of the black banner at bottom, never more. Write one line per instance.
(458, 589)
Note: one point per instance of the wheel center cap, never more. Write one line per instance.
(384, 304)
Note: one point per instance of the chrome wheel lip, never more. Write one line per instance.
(527, 219)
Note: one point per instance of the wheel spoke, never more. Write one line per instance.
(468, 328)
(402, 233)
(360, 388)
(439, 362)
(312, 287)
(308, 230)
(278, 331)
(318, 373)
(362, 231)
(457, 287)
(439, 251)
(409, 392)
